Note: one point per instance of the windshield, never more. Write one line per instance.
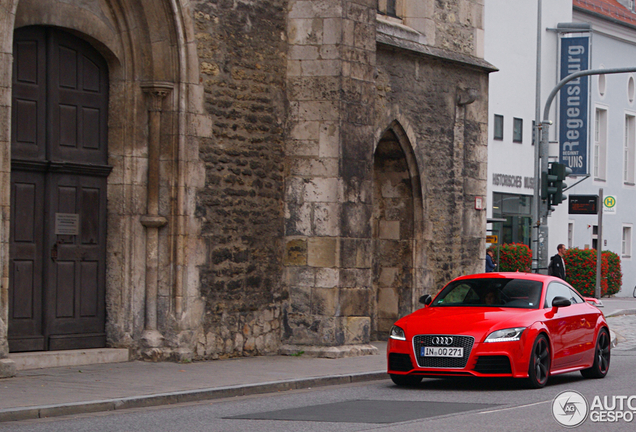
(495, 292)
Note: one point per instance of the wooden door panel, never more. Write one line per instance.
(59, 171)
(23, 307)
(89, 288)
(28, 132)
(78, 104)
(25, 266)
(65, 289)
(78, 275)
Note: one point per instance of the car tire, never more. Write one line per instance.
(406, 380)
(540, 361)
(602, 353)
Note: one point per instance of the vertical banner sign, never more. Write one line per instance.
(573, 105)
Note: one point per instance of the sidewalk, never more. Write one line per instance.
(105, 387)
(620, 313)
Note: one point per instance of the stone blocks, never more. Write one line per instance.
(289, 237)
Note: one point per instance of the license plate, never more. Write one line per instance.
(441, 352)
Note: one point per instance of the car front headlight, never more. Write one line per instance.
(397, 333)
(506, 335)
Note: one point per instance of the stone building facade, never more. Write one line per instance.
(276, 176)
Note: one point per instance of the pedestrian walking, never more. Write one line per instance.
(490, 264)
(557, 264)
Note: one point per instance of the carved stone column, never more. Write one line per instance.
(155, 92)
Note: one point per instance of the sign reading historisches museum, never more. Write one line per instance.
(573, 105)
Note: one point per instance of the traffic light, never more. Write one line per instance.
(548, 188)
(561, 172)
(552, 185)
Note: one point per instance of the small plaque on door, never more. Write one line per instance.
(66, 224)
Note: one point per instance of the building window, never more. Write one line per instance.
(600, 144)
(626, 248)
(517, 130)
(628, 149)
(498, 127)
(630, 89)
(602, 85)
(595, 237)
(388, 7)
(570, 234)
(516, 210)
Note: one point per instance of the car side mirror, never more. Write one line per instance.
(426, 299)
(560, 302)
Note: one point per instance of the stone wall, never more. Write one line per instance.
(329, 193)
(7, 15)
(449, 143)
(267, 131)
(242, 52)
(459, 25)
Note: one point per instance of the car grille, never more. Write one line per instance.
(493, 365)
(443, 362)
(400, 362)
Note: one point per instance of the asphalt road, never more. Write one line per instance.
(457, 405)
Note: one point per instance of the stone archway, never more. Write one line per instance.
(397, 213)
(147, 46)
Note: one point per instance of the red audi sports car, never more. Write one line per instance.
(519, 325)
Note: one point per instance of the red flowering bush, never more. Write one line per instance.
(580, 266)
(614, 273)
(513, 257)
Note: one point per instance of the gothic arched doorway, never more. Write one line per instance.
(59, 170)
(394, 232)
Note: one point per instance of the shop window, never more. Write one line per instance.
(516, 209)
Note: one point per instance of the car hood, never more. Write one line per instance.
(473, 321)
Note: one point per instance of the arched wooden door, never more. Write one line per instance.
(59, 169)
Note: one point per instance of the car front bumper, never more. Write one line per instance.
(498, 359)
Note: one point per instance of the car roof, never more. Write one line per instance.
(509, 275)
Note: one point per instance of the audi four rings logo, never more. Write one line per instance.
(442, 340)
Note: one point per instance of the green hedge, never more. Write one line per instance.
(580, 265)
(513, 257)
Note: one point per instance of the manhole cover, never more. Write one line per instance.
(366, 411)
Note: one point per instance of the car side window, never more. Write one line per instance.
(576, 297)
(556, 289)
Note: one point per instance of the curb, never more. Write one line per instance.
(621, 312)
(43, 411)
